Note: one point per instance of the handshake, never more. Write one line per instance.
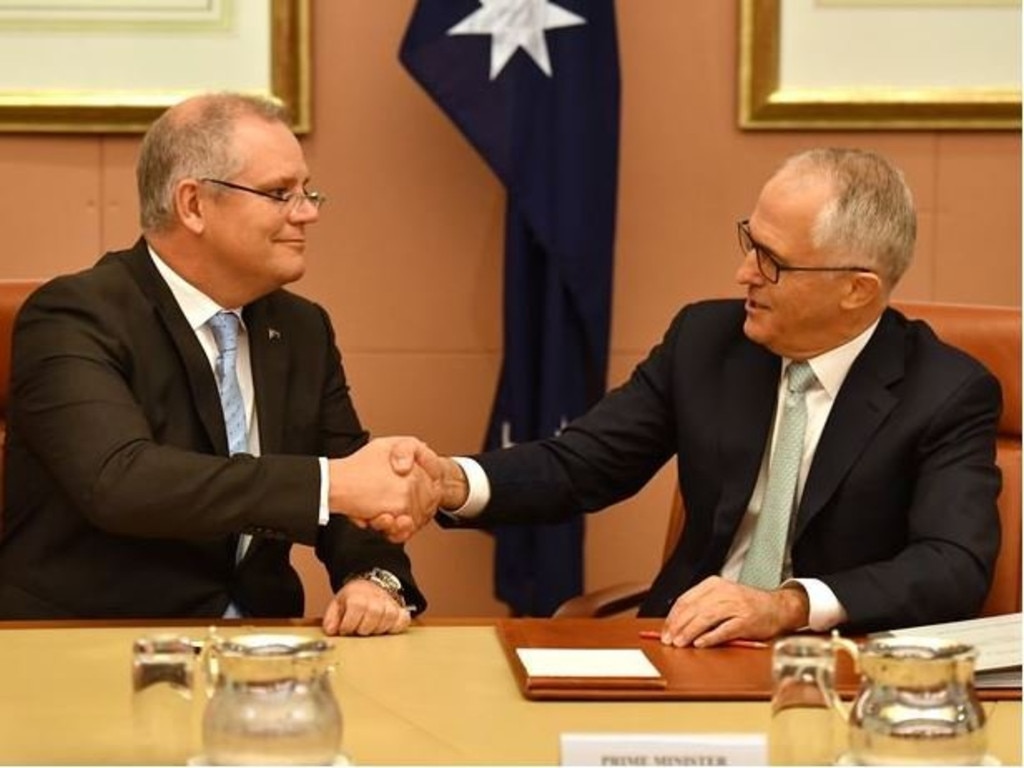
(394, 485)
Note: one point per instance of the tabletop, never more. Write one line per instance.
(438, 694)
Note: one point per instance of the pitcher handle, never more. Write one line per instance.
(840, 643)
(208, 662)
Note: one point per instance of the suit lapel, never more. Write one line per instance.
(197, 367)
(750, 384)
(268, 353)
(269, 362)
(863, 404)
(746, 392)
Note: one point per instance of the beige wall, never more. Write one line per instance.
(407, 257)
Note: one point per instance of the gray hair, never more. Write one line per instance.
(193, 140)
(870, 215)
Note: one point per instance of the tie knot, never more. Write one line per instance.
(800, 376)
(225, 330)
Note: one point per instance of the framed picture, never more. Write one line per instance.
(880, 64)
(107, 66)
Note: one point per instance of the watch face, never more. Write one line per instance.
(388, 578)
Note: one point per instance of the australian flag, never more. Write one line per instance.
(534, 86)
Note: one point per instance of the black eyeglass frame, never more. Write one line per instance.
(765, 254)
(316, 199)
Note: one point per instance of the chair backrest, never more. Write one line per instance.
(993, 336)
(12, 295)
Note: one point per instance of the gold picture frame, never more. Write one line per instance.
(766, 103)
(129, 106)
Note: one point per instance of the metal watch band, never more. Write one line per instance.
(387, 581)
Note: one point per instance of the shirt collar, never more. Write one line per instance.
(197, 307)
(831, 367)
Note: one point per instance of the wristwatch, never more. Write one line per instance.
(387, 581)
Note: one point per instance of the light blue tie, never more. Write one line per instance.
(225, 327)
(762, 567)
(225, 332)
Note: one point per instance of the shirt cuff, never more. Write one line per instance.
(325, 487)
(479, 490)
(824, 609)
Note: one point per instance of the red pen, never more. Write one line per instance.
(653, 634)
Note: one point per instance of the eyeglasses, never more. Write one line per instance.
(284, 197)
(768, 263)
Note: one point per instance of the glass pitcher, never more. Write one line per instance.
(271, 702)
(808, 725)
(917, 704)
(164, 700)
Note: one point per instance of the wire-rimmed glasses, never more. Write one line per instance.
(293, 198)
(768, 263)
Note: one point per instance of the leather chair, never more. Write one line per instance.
(988, 333)
(12, 295)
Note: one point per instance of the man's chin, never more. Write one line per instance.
(754, 330)
(290, 270)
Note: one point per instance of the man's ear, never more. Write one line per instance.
(863, 289)
(189, 207)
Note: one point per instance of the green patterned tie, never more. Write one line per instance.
(762, 566)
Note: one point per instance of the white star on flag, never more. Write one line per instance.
(514, 24)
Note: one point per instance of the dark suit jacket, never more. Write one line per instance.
(120, 500)
(898, 515)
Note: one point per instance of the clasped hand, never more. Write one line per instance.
(392, 484)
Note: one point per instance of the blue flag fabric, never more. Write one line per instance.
(534, 86)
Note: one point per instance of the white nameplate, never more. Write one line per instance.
(628, 749)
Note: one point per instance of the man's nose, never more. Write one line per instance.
(305, 212)
(747, 273)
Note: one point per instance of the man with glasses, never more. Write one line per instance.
(836, 459)
(177, 419)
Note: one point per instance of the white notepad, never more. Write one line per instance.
(586, 662)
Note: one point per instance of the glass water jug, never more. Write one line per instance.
(271, 701)
(917, 704)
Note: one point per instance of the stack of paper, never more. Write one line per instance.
(997, 638)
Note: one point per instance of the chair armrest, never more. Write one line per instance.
(601, 603)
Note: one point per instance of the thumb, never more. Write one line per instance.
(403, 456)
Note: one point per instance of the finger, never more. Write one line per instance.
(426, 496)
(393, 619)
(689, 619)
(681, 613)
(696, 627)
(402, 622)
(673, 631)
(373, 616)
(331, 618)
(402, 531)
(429, 461)
(383, 522)
(350, 617)
(395, 528)
(729, 629)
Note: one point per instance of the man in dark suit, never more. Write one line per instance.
(127, 492)
(888, 516)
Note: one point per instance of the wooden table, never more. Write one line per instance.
(440, 694)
